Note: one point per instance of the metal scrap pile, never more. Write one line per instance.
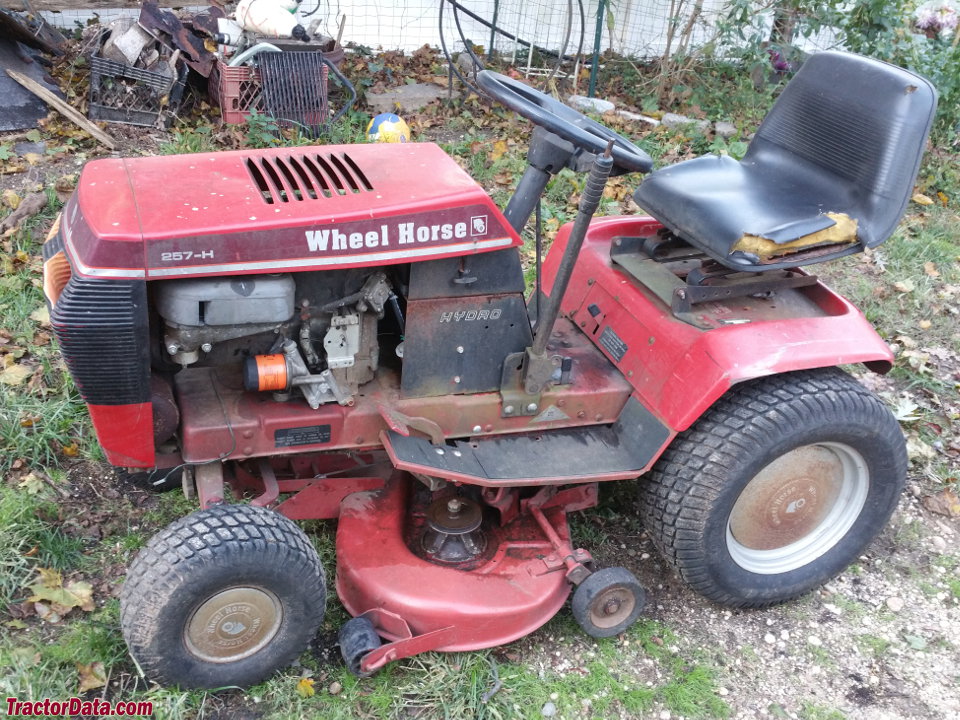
(140, 71)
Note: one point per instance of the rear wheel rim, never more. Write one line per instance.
(233, 624)
(797, 508)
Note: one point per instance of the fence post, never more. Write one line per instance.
(598, 38)
(493, 28)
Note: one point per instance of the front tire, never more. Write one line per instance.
(224, 596)
(777, 488)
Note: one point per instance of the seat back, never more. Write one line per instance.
(854, 128)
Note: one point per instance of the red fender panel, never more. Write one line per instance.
(679, 370)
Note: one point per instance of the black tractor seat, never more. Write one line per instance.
(829, 172)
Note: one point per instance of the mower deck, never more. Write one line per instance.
(515, 585)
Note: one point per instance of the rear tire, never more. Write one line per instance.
(777, 488)
(224, 596)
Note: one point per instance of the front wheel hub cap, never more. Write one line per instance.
(233, 624)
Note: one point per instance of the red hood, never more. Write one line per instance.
(268, 210)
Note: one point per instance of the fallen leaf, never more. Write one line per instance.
(71, 450)
(49, 588)
(25, 657)
(82, 593)
(931, 269)
(41, 315)
(92, 676)
(919, 450)
(46, 613)
(904, 286)
(499, 148)
(22, 610)
(29, 206)
(305, 687)
(11, 199)
(925, 324)
(15, 375)
(906, 410)
(944, 502)
(31, 484)
(65, 186)
(921, 199)
(34, 158)
(943, 198)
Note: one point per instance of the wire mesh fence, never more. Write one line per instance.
(534, 35)
(636, 28)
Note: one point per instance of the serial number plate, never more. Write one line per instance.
(308, 435)
(613, 344)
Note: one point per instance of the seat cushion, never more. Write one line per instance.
(746, 216)
(829, 171)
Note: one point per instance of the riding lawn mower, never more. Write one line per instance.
(342, 332)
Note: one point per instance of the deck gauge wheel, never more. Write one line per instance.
(608, 602)
(357, 639)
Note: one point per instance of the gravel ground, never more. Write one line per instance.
(879, 642)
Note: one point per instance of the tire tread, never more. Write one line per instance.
(677, 498)
(217, 536)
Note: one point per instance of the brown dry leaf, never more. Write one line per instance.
(71, 450)
(930, 269)
(15, 375)
(31, 483)
(47, 613)
(41, 315)
(26, 657)
(943, 198)
(904, 286)
(918, 450)
(944, 502)
(82, 592)
(21, 610)
(65, 186)
(499, 149)
(42, 338)
(29, 206)
(92, 676)
(49, 589)
(33, 158)
(921, 199)
(11, 199)
(925, 324)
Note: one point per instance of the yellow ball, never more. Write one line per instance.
(387, 127)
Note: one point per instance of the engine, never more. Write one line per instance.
(312, 333)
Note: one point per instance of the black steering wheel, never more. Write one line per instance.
(563, 120)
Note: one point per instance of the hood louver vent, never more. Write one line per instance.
(306, 177)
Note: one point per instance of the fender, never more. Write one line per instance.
(678, 370)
